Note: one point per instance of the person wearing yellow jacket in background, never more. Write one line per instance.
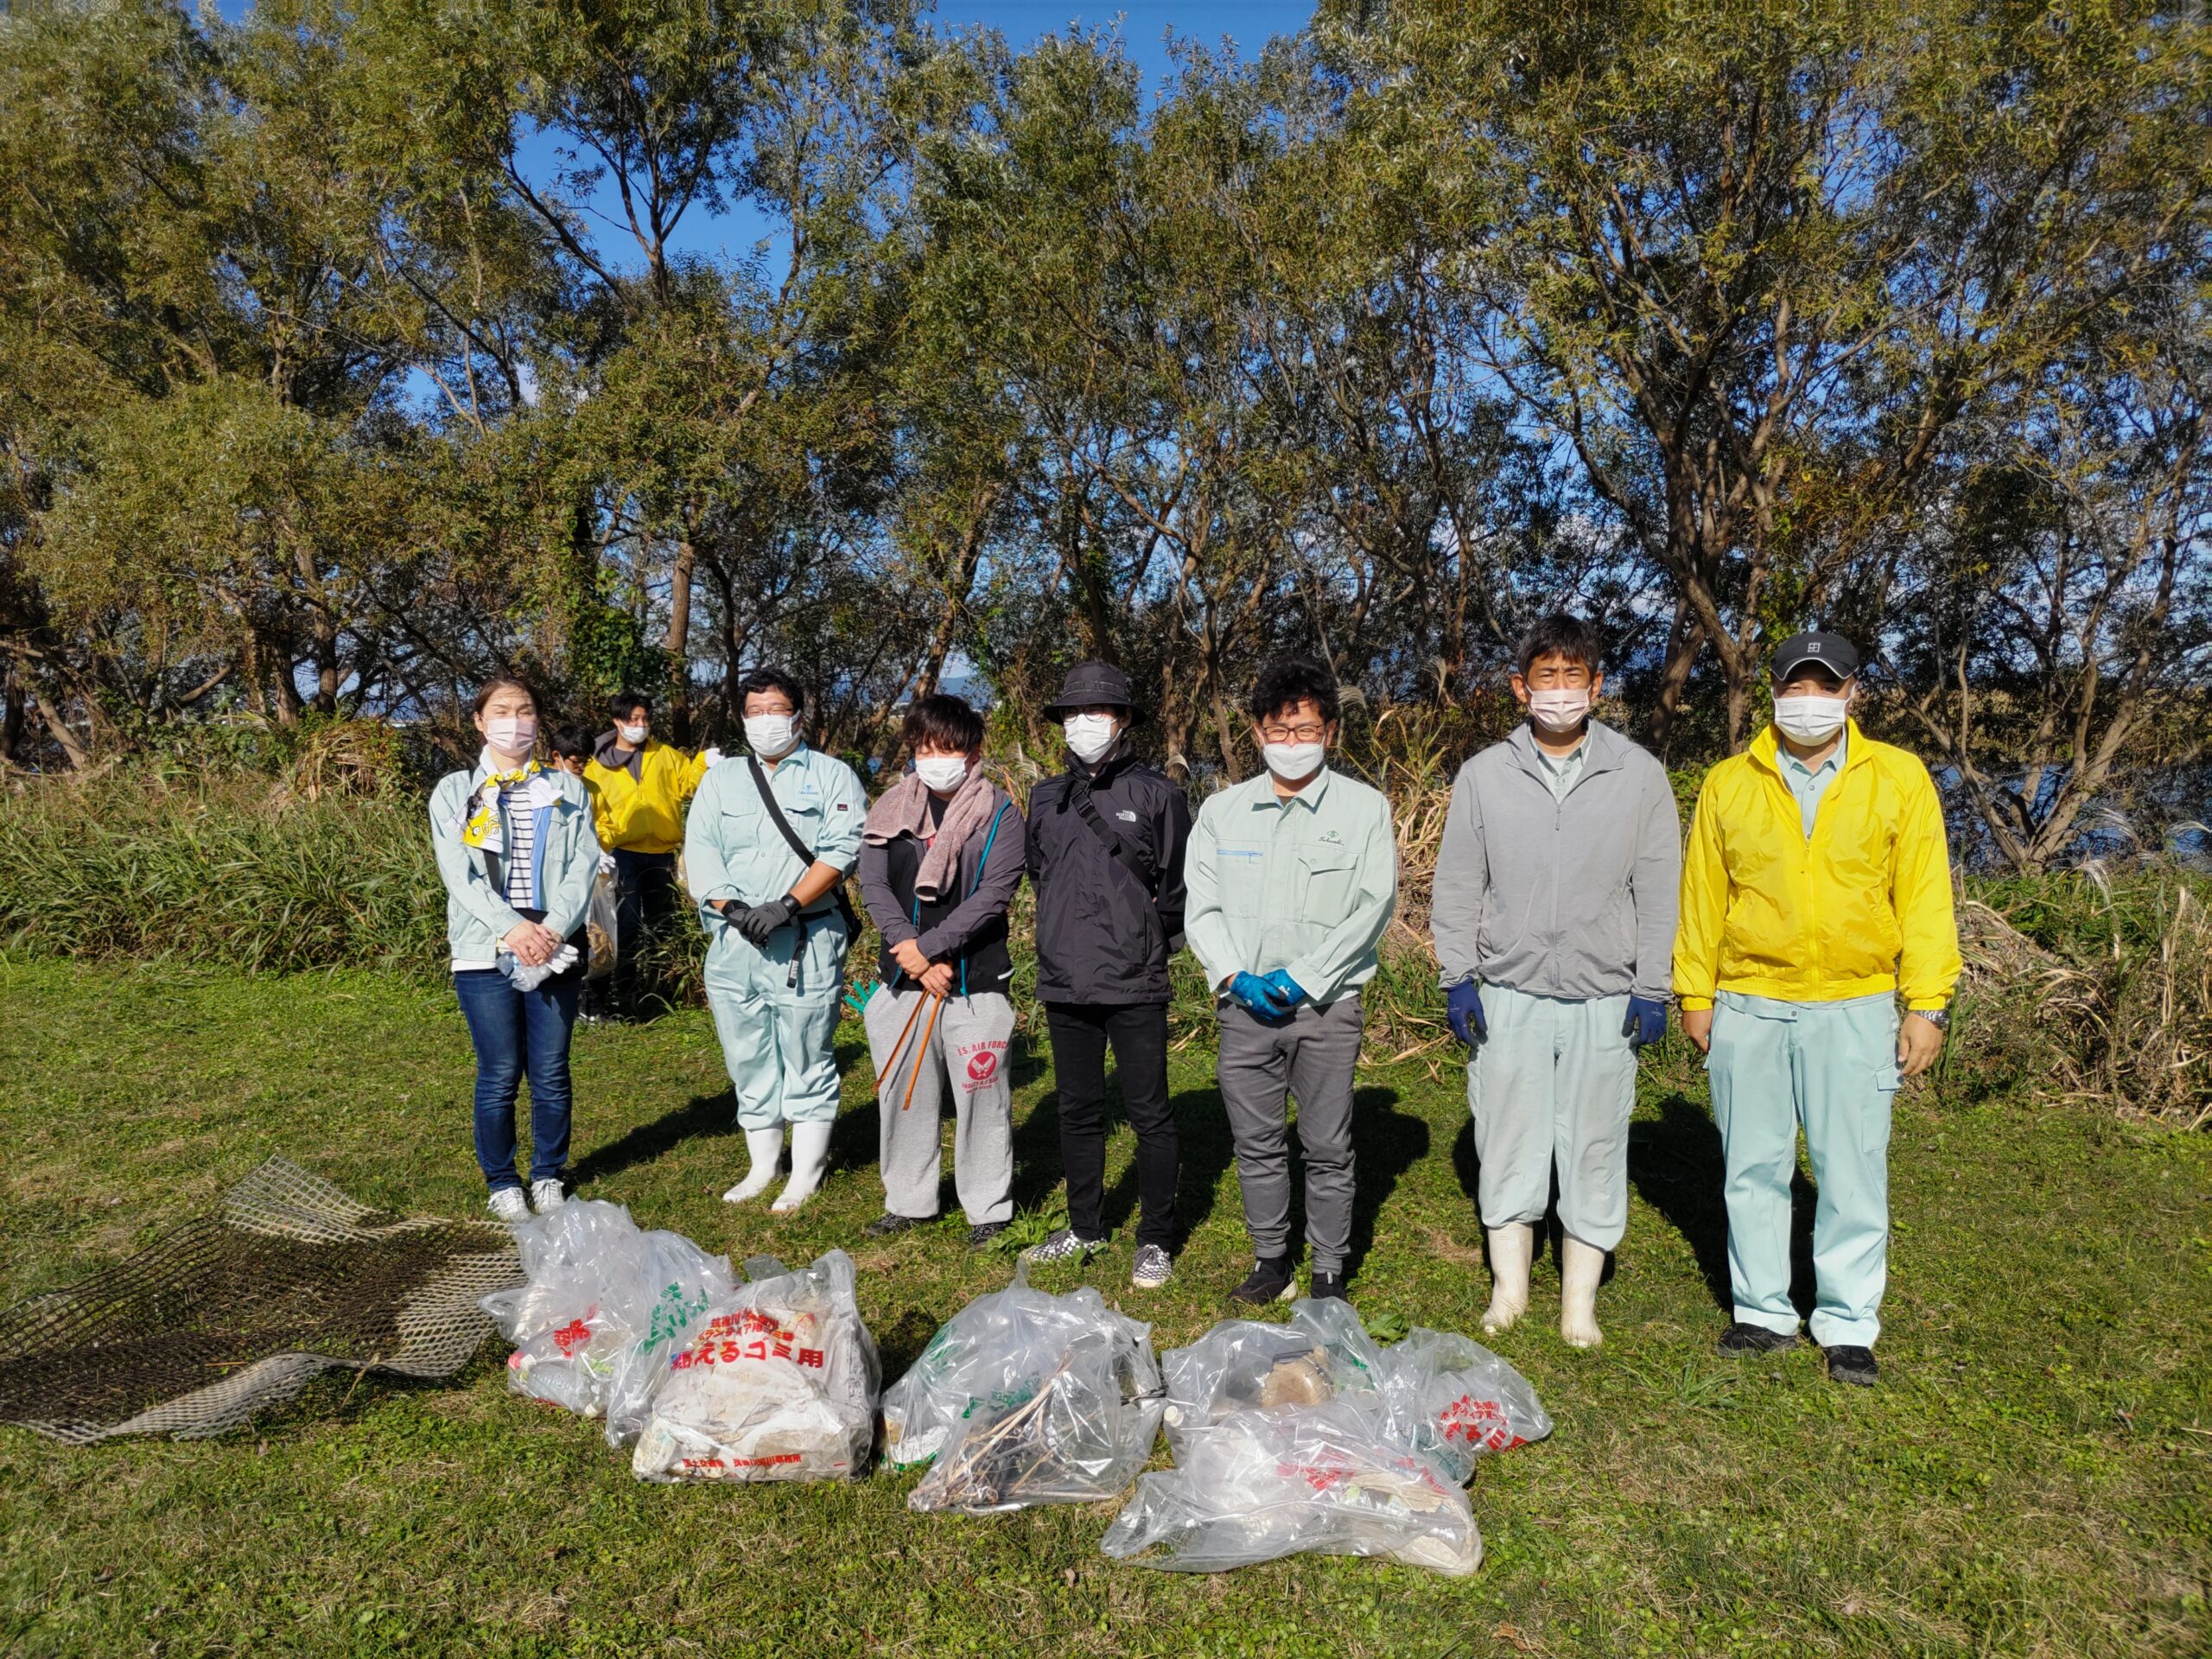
(1816, 890)
(639, 788)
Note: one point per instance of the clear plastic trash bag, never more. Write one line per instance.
(778, 1381)
(1326, 1479)
(685, 1282)
(584, 1299)
(600, 929)
(1454, 1401)
(1436, 1393)
(1323, 1355)
(1024, 1397)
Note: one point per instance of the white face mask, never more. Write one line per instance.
(942, 772)
(1559, 711)
(1811, 719)
(633, 735)
(511, 736)
(1089, 736)
(1294, 762)
(770, 735)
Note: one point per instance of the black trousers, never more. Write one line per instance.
(1081, 1033)
(644, 900)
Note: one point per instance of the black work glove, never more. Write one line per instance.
(761, 920)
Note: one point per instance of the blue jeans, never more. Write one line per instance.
(517, 1033)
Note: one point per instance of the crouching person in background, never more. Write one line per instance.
(516, 851)
(942, 854)
(1554, 916)
(769, 841)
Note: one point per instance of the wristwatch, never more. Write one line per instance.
(1939, 1017)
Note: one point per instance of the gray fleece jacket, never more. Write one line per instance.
(1571, 898)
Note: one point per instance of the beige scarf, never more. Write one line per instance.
(904, 810)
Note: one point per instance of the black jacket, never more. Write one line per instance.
(1102, 936)
(967, 930)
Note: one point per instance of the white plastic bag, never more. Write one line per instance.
(685, 1282)
(1455, 1401)
(1257, 1485)
(778, 1381)
(1026, 1398)
(585, 1301)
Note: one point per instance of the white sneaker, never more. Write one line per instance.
(547, 1194)
(508, 1204)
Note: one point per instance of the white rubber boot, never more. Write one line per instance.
(810, 1160)
(1510, 1250)
(1581, 1266)
(766, 1146)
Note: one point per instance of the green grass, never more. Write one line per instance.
(2034, 1477)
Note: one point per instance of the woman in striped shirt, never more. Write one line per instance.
(518, 851)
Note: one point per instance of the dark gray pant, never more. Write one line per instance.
(1262, 1066)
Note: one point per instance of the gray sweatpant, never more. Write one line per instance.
(968, 1044)
(1261, 1067)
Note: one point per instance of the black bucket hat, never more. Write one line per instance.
(1091, 685)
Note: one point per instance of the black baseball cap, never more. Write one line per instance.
(1830, 651)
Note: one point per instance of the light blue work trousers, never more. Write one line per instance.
(1831, 1067)
(1551, 1084)
(779, 1030)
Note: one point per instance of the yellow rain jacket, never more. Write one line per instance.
(1862, 906)
(643, 814)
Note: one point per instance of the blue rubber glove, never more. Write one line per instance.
(1256, 997)
(1463, 1007)
(1287, 991)
(1646, 1022)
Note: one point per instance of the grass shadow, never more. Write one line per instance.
(1386, 1142)
(702, 1117)
(1203, 1151)
(899, 1342)
(856, 1137)
(1676, 1167)
(1037, 1137)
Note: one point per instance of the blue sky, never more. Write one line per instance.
(1143, 24)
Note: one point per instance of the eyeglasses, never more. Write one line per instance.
(1293, 734)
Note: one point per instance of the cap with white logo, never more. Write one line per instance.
(1829, 651)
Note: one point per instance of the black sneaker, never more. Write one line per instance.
(1853, 1365)
(1326, 1284)
(1271, 1281)
(982, 1233)
(1739, 1339)
(884, 1225)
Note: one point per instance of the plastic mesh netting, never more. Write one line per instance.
(234, 1313)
